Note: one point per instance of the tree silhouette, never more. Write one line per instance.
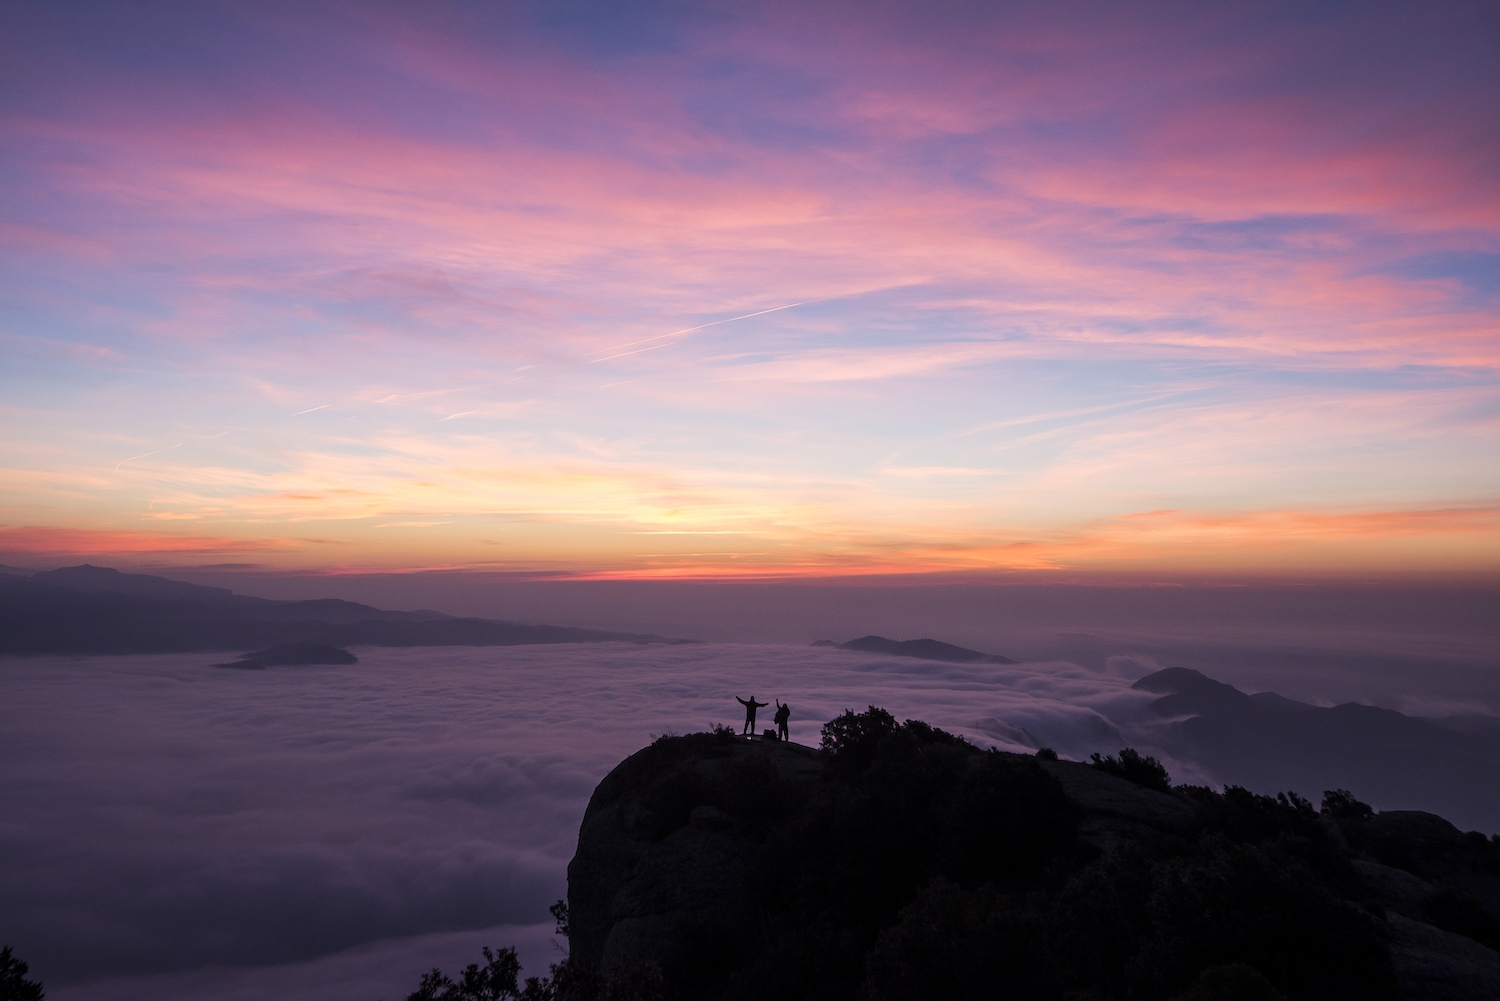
(1135, 767)
(13, 983)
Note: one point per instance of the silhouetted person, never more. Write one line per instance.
(783, 713)
(750, 708)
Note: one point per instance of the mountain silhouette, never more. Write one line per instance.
(1266, 741)
(289, 654)
(923, 649)
(98, 610)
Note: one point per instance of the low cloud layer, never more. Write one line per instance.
(167, 816)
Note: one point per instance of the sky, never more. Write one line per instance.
(702, 290)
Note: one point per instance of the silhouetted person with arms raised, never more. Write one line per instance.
(783, 713)
(750, 708)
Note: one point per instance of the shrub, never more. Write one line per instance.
(497, 980)
(854, 740)
(559, 912)
(1340, 804)
(13, 983)
(1132, 766)
(856, 735)
(1235, 982)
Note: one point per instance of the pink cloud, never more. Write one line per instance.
(414, 214)
(448, 236)
(42, 540)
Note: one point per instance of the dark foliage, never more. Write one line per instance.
(559, 912)
(13, 983)
(1236, 982)
(923, 867)
(953, 943)
(1461, 867)
(920, 867)
(852, 739)
(1129, 926)
(499, 979)
(1286, 820)
(1456, 911)
(1340, 804)
(1132, 766)
(572, 982)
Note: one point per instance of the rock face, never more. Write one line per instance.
(668, 846)
(907, 864)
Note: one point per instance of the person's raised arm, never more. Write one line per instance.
(742, 702)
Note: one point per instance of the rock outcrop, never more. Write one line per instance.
(669, 844)
(905, 863)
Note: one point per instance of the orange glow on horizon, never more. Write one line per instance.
(1458, 540)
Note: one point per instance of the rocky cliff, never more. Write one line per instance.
(671, 843)
(902, 863)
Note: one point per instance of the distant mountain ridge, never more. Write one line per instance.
(99, 610)
(923, 649)
(1267, 741)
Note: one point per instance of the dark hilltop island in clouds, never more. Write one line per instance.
(290, 654)
(923, 649)
(97, 610)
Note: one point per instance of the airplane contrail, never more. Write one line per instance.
(1056, 415)
(311, 409)
(622, 354)
(143, 455)
(689, 330)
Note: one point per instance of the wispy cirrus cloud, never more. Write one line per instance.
(49, 541)
(479, 241)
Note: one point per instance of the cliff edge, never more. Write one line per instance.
(900, 862)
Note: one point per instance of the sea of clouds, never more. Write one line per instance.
(174, 830)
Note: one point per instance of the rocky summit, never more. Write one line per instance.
(898, 861)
